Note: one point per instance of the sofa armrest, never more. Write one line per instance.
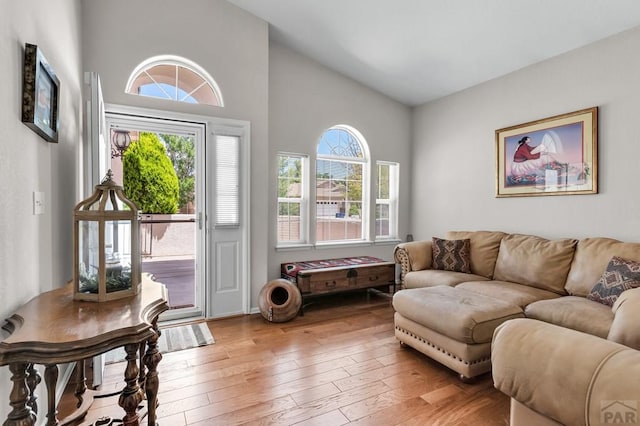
(624, 328)
(413, 256)
(568, 376)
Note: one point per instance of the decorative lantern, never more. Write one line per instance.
(106, 228)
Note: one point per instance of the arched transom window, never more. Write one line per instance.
(174, 78)
(341, 185)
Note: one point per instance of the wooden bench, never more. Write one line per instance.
(331, 276)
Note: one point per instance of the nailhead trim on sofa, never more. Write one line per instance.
(402, 330)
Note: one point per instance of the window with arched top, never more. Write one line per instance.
(342, 185)
(344, 197)
(174, 78)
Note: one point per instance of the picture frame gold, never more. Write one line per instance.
(553, 156)
(40, 94)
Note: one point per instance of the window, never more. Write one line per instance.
(341, 186)
(387, 200)
(342, 193)
(292, 199)
(227, 180)
(174, 78)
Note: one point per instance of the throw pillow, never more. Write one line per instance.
(620, 275)
(451, 255)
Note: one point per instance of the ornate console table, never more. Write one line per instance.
(52, 329)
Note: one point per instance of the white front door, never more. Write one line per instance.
(96, 161)
(96, 149)
(220, 219)
(172, 242)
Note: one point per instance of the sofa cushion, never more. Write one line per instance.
(484, 249)
(435, 277)
(459, 314)
(451, 255)
(624, 328)
(573, 312)
(590, 260)
(535, 261)
(619, 276)
(563, 374)
(516, 294)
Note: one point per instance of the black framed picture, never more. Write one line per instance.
(40, 94)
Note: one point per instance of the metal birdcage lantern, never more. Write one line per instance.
(106, 240)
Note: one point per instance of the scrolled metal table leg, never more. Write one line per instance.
(81, 382)
(33, 380)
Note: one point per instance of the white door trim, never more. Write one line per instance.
(214, 125)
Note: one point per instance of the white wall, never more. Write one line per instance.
(36, 251)
(305, 99)
(231, 44)
(453, 169)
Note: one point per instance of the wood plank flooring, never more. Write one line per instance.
(338, 364)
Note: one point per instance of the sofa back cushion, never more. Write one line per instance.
(484, 249)
(535, 261)
(591, 259)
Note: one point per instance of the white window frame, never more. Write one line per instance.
(392, 201)
(365, 161)
(303, 201)
(178, 62)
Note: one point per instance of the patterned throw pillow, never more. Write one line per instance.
(451, 255)
(619, 276)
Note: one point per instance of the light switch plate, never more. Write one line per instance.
(38, 202)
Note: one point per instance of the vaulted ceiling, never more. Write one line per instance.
(418, 50)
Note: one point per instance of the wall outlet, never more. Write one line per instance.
(38, 202)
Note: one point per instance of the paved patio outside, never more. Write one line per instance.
(179, 277)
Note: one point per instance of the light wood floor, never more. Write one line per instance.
(338, 364)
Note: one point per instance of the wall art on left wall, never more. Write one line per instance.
(40, 94)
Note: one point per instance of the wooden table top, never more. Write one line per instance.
(52, 328)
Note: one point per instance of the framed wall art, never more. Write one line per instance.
(40, 94)
(553, 156)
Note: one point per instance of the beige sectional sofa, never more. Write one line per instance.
(558, 376)
(511, 276)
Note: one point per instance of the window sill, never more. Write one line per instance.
(337, 244)
(387, 242)
(294, 247)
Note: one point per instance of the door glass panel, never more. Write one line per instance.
(227, 180)
(157, 170)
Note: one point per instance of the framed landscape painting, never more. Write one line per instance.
(40, 94)
(553, 156)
